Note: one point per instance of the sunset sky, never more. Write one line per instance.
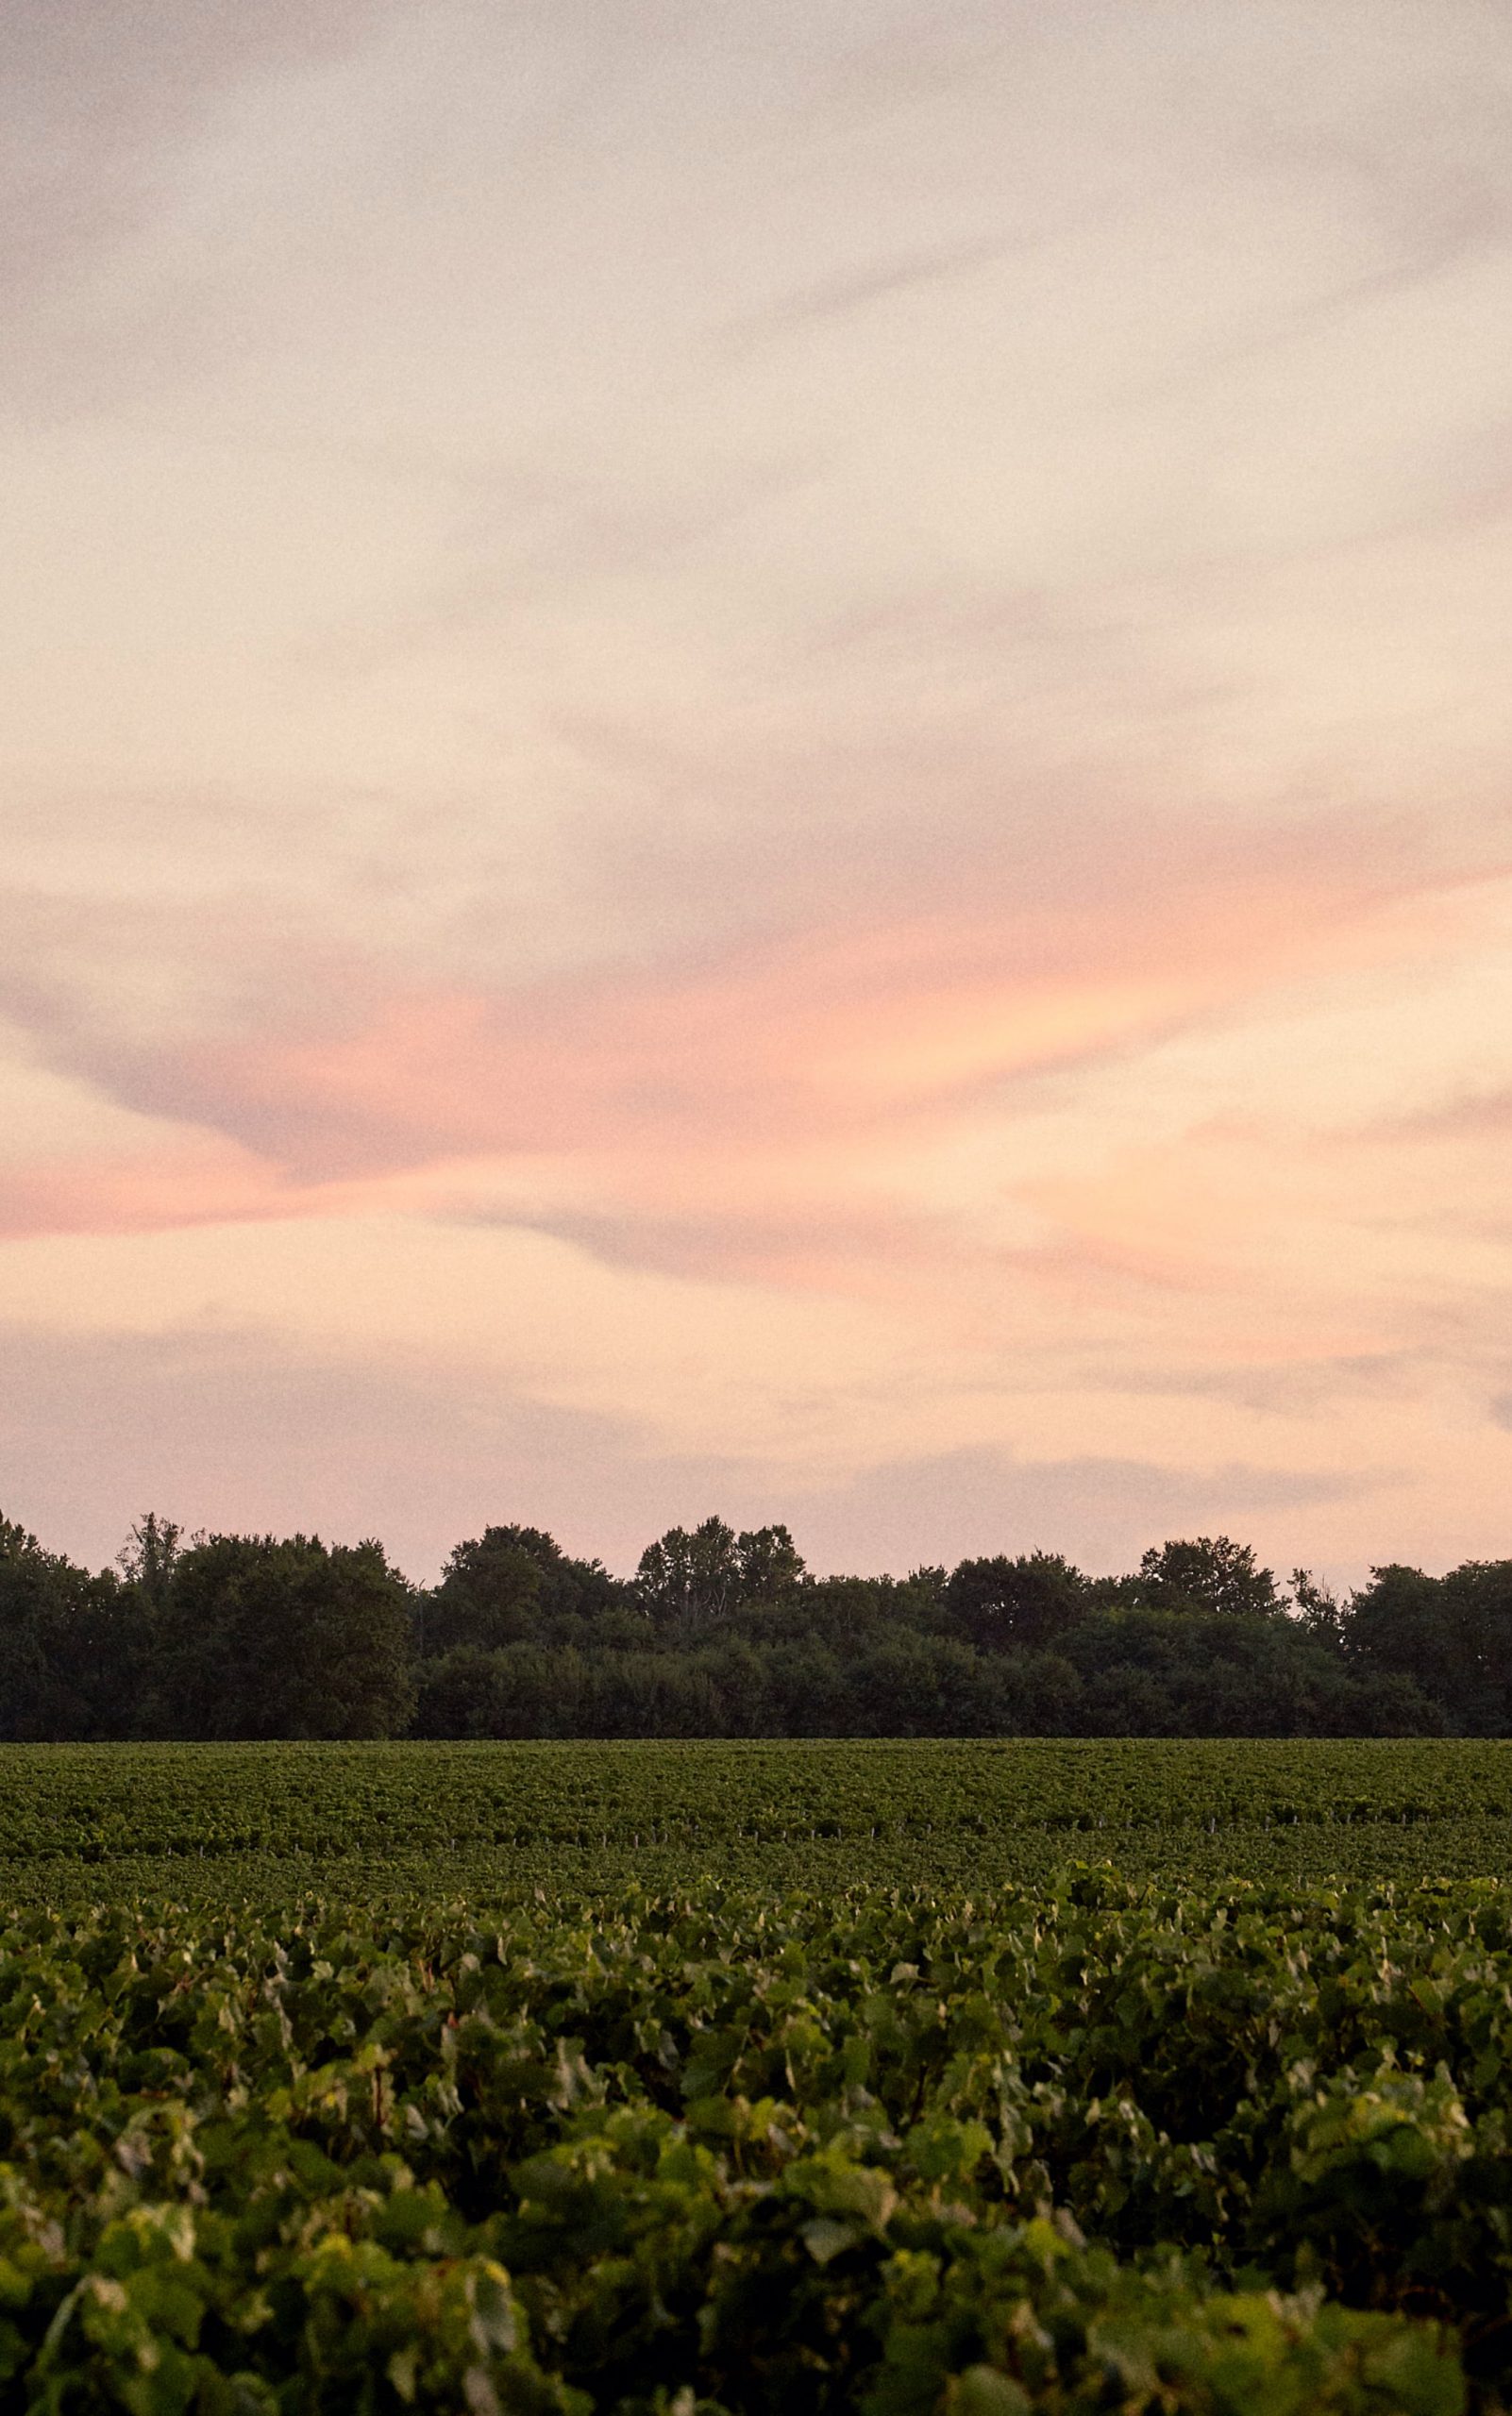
(757, 758)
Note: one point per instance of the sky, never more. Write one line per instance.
(756, 759)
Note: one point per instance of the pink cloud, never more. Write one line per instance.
(816, 1035)
(198, 1181)
(721, 1114)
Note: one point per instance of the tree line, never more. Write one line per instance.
(721, 1634)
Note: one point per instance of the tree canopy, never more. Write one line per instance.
(722, 1632)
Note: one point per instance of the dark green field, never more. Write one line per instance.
(919, 2080)
(220, 1823)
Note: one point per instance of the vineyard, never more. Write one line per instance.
(389, 2077)
(426, 1820)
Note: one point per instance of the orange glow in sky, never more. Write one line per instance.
(758, 761)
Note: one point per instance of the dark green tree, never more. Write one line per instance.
(1030, 1601)
(767, 1564)
(1479, 1599)
(1451, 1636)
(1210, 1573)
(291, 1637)
(688, 1577)
(28, 1604)
(149, 1556)
(1400, 1622)
(1316, 1609)
(73, 1647)
(490, 1594)
(511, 1585)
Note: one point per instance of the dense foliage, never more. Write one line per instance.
(720, 1634)
(1092, 2147)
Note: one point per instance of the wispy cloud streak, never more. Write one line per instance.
(783, 746)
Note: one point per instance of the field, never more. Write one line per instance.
(684, 2078)
(226, 1822)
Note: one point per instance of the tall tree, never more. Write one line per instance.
(1209, 1573)
(269, 1638)
(689, 1577)
(149, 1556)
(1452, 1635)
(489, 1595)
(767, 1564)
(1030, 1601)
(73, 1647)
(513, 1584)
